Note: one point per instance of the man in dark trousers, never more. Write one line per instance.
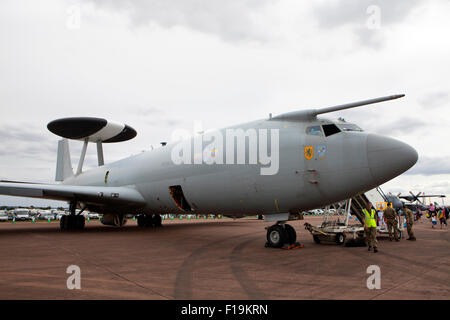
(370, 227)
(390, 217)
(409, 223)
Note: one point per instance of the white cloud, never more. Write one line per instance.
(435, 100)
(357, 15)
(232, 20)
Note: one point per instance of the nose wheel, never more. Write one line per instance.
(281, 235)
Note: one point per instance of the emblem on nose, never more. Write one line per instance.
(309, 152)
(321, 151)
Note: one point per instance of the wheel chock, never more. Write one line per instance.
(293, 246)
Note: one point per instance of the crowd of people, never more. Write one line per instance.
(435, 214)
(389, 218)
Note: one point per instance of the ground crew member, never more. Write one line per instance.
(370, 227)
(391, 220)
(409, 223)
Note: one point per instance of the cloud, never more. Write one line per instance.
(232, 20)
(429, 166)
(435, 99)
(357, 14)
(145, 112)
(399, 127)
(25, 140)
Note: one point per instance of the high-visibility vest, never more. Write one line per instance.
(370, 218)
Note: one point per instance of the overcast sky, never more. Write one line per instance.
(161, 65)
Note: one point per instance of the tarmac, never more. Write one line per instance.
(214, 259)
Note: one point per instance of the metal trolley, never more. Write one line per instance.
(336, 226)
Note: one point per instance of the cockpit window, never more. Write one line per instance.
(314, 131)
(350, 127)
(330, 129)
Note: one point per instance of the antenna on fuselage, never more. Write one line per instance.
(312, 113)
(357, 104)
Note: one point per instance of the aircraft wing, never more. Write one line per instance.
(432, 196)
(88, 194)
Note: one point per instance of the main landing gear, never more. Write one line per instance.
(281, 235)
(149, 220)
(72, 221)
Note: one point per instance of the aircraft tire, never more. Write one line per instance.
(63, 223)
(291, 234)
(141, 221)
(276, 236)
(72, 222)
(148, 220)
(80, 222)
(68, 223)
(156, 220)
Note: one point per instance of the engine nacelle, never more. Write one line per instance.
(117, 220)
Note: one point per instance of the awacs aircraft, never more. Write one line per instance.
(278, 167)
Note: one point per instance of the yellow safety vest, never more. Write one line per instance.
(370, 218)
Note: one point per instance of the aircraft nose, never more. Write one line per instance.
(388, 157)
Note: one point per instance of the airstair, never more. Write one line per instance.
(337, 223)
(376, 196)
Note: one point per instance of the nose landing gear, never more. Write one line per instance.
(282, 235)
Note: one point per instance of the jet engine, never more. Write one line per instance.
(116, 220)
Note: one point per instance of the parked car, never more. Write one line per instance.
(93, 215)
(3, 216)
(46, 215)
(316, 212)
(33, 213)
(22, 214)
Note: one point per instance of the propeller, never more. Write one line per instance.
(416, 197)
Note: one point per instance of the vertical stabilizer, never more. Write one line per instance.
(63, 164)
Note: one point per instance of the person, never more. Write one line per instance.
(370, 227)
(433, 221)
(409, 223)
(432, 209)
(441, 217)
(381, 220)
(390, 218)
(418, 214)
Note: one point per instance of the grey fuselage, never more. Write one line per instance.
(350, 162)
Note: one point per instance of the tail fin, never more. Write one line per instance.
(63, 164)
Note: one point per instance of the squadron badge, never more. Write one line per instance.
(321, 151)
(309, 152)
